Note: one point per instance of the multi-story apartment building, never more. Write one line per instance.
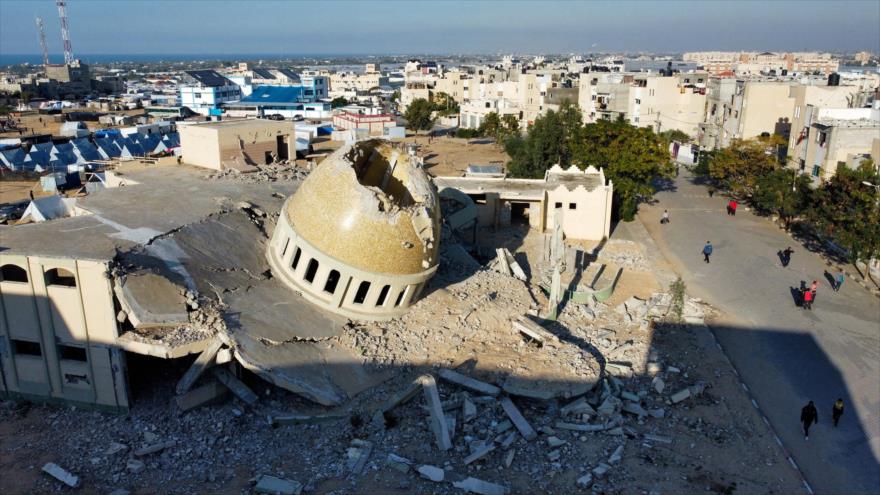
(744, 63)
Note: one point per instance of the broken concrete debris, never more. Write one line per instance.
(358, 454)
(399, 463)
(469, 383)
(681, 395)
(437, 419)
(60, 474)
(135, 466)
(153, 448)
(525, 429)
(205, 359)
(271, 485)
(432, 473)
(236, 386)
(206, 394)
(479, 453)
(474, 485)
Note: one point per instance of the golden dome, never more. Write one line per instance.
(371, 207)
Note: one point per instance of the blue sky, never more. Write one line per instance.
(390, 27)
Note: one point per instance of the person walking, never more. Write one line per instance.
(665, 217)
(786, 256)
(813, 287)
(837, 411)
(838, 281)
(809, 415)
(733, 205)
(707, 251)
(808, 299)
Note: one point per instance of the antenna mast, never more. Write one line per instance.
(43, 41)
(65, 34)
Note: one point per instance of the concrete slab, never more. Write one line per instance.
(151, 300)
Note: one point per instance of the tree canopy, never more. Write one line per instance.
(848, 210)
(783, 192)
(631, 156)
(338, 102)
(418, 115)
(738, 167)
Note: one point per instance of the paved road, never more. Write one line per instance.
(786, 355)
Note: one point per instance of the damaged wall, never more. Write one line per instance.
(58, 332)
(236, 143)
(361, 234)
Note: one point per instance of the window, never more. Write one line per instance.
(26, 348)
(399, 300)
(557, 205)
(13, 273)
(72, 353)
(572, 206)
(295, 261)
(332, 282)
(383, 295)
(197, 95)
(361, 295)
(60, 277)
(284, 249)
(311, 270)
(638, 101)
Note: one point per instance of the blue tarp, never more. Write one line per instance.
(12, 159)
(108, 146)
(103, 133)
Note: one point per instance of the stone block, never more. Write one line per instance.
(61, 474)
(277, 486)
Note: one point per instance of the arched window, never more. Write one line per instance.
(60, 277)
(383, 295)
(295, 258)
(311, 270)
(361, 295)
(13, 273)
(332, 281)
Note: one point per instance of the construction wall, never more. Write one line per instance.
(58, 332)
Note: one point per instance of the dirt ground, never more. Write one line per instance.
(449, 156)
(13, 191)
(34, 123)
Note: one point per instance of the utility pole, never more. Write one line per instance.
(65, 33)
(43, 41)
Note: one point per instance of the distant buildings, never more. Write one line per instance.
(204, 91)
(744, 63)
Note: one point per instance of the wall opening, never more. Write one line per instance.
(268, 157)
(572, 206)
(72, 353)
(399, 300)
(60, 277)
(519, 212)
(13, 273)
(311, 270)
(295, 261)
(26, 348)
(284, 249)
(383, 295)
(361, 295)
(281, 147)
(332, 282)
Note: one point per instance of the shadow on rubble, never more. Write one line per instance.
(769, 360)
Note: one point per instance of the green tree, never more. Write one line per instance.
(418, 115)
(633, 157)
(338, 102)
(552, 139)
(444, 104)
(848, 210)
(783, 192)
(675, 135)
(491, 125)
(738, 167)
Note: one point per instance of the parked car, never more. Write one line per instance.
(275, 116)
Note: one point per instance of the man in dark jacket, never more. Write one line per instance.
(809, 415)
(837, 411)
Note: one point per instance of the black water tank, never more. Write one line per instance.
(834, 79)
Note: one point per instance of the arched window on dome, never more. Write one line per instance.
(311, 270)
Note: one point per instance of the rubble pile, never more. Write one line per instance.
(278, 171)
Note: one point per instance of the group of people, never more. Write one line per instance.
(810, 416)
(731, 207)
